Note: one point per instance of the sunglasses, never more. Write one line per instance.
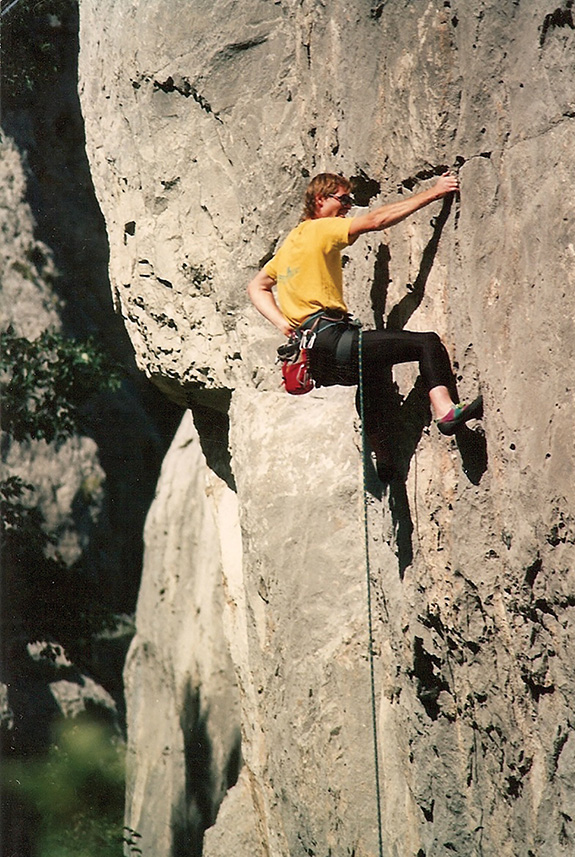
(344, 198)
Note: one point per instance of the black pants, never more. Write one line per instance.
(381, 349)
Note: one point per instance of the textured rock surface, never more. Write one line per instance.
(183, 698)
(25, 263)
(203, 121)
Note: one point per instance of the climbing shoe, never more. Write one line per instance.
(459, 415)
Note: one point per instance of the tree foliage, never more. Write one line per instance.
(74, 792)
(44, 384)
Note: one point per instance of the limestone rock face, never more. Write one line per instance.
(26, 303)
(182, 692)
(204, 121)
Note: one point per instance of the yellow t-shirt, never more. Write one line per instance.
(307, 268)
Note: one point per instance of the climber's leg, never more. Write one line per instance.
(385, 348)
(441, 401)
(390, 347)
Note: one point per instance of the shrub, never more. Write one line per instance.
(44, 383)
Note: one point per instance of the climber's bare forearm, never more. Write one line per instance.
(395, 212)
(261, 295)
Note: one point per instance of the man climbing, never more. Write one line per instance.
(307, 271)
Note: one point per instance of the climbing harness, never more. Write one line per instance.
(369, 605)
(296, 375)
(294, 357)
(294, 354)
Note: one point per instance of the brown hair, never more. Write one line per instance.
(323, 185)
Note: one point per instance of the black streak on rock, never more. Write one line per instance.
(558, 18)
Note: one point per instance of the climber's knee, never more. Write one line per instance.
(434, 347)
(432, 340)
(435, 365)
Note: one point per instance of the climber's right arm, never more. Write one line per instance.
(261, 295)
(392, 213)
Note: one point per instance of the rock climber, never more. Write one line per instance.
(307, 271)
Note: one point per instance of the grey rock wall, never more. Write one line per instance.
(203, 123)
(183, 697)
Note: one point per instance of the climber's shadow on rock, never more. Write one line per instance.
(473, 450)
(406, 419)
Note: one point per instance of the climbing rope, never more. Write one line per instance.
(369, 607)
(7, 8)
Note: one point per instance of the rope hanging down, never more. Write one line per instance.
(369, 608)
(7, 8)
